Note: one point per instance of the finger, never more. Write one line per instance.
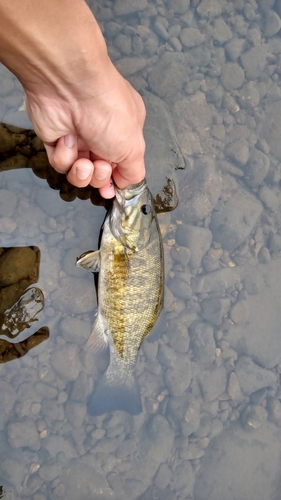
(63, 154)
(81, 172)
(129, 172)
(102, 173)
(108, 191)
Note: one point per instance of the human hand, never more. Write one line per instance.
(93, 138)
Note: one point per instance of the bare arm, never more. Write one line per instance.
(86, 113)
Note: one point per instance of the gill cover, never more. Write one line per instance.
(132, 215)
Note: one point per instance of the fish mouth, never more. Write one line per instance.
(130, 194)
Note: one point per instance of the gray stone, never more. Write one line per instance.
(271, 129)
(75, 330)
(274, 410)
(49, 409)
(222, 33)
(202, 342)
(234, 48)
(180, 288)
(199, 190)
(235, 219)
(209, 8)
(232, 76)
(126, 7)
(168, 76)
(46, 390)
(238, 151)
(253, 62)
(235, 454)
(214, 310)
(252, 377)
(259, 338)
(50, 470)
(163, 476)
(130, 65)
(155, 445)
(272, 24)
(257, 168)
(8, 202)
(239, 312)
(233, 387)
(212, 381)
(197, 239)
(80, 389)
(65, 362)
(249, 96)
(180, 254)
(216, 281)
(23, 433)
(75, 295)
(56, 444)
(7, 225)
(190, 37)
(84, 482)
(183, 479)
(179, 6)
(178, 377)
(253, 417)
(75, 413)
(51, 203)
(183, 414)
(8, 397)
(126, 448)
(269, 198)
(179, 341)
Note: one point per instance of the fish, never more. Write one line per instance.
(130, 264)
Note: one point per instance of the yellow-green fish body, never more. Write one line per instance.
(130, 294)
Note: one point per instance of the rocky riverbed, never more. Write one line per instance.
(209, 72)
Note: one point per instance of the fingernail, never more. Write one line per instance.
(100, 175)
(83, 173)
(69, 140)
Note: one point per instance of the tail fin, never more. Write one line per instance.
(116, 390)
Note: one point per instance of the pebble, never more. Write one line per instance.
(253, 416)
(221, 31)
(233, 388)
(7, 225)
(126, 7)
(252, 377)
(202, 342)
(274, 410)
(180, 288)
(130, 65)
(257, 168)
(23, 433)
(179, 6)
(213, 382)
(235, 219)
(216, 281)
(75, 330)
(8, 398)
(190, 37)
(214, 310)
(8, 202)
(75, 413)
(234, 48)
(269, 198)
(274, 243)
(272, 24)
(197, 239)
(232, 76)
(46, 390)
(65, 362)
(239, 312)
(253, 62)
(239, 152)
(75, 295)
(84, 481)
(209, 9)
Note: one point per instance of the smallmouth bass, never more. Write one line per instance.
(130, 294)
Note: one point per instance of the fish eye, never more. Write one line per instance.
(146, 209)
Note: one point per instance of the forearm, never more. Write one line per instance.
(55, 45)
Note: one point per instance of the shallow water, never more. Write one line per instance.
(210, 428)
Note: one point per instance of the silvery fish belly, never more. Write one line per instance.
(130, 294)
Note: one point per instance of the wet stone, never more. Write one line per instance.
(190, 37)
(202, 342)
(80, 389)
(83, 481)
(51, 203)
(16, 264)
(180, 288)
(257, 168)
(23, 433)
(180, 254)
(8, 398)
(274, 410)
(126, 7)
(269, 198)
(209, 8)
(197, 239)
(232, 76)
(130, 65)
(234, 48)
(65, 362)
(126, 448)
(235, 219)
(252, 377)
(272, 24)
(8, 202)
(239, 312)
(222, 33)
(213, 381)
(253, 416)
(233, 388)
(253, 62)
(213, 310)
(46, 390)
(232, 453)
(179, 6)
(274, 243)
(216, 281)
(7, 142)
(75, 295)
(7, 225)
(183, 413)
(163, 476)
(238, 151)
(200, 190)
(75, 330)
(75, 413)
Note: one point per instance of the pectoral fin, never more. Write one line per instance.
(89, 261)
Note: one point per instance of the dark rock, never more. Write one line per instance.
(213, 310)
(232, 76)
(252, 377)
(272, 24)
(126, 7)
(257, 168)
(253, 62)
(7, 142)
(190, 37)
(202, 342)
(217, 281)
(180, 254)
(180, 288)
(212, 381)
(234, 48)
(16, 264)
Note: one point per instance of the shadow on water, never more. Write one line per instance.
(209, 73)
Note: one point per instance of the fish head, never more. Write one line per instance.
(132, 216)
